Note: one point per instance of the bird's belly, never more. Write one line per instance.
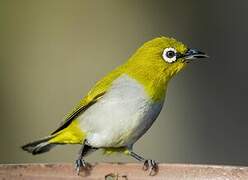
(121, 116)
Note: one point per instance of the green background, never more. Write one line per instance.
(53, 51)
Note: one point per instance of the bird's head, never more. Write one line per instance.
(166, 54)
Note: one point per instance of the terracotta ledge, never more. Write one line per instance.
(113, 171)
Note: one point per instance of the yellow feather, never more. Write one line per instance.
(72, 134)
(146, 66)
(109, 151)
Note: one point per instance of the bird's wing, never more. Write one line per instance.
(91, 98)
(81, 107)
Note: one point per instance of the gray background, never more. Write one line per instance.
(52, 52)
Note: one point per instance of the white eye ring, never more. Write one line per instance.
(169, 55)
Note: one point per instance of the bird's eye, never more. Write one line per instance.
(169, 55)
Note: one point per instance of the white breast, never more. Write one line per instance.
(121, 116)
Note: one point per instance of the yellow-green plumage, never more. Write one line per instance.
(151, 71)
(72, 134)
(146, 74)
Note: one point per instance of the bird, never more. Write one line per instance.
(123, 105)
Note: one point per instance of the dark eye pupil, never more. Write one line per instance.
(170, 54)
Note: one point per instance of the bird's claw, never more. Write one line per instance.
(78, 164)
(150, 165)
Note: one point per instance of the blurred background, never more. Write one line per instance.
(52, 52)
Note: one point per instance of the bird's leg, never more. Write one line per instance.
(80, 162)
(148, 163)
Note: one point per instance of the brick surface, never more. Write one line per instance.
(113, 171)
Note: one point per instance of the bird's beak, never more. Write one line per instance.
(194, 54)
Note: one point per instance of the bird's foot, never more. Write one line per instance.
(152, 166)
(78, 164)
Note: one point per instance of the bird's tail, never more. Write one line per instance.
(69, 135)
(39, 146)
